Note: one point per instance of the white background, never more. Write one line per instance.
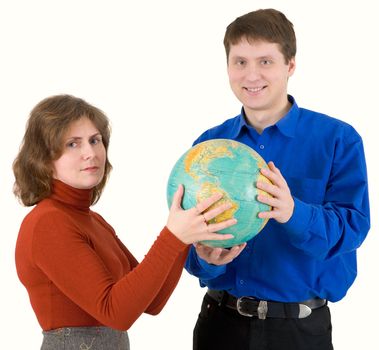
(157, 68)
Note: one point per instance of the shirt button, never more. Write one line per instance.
(242, 281)
(261, 146)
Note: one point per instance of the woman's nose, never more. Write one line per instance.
(88, 151)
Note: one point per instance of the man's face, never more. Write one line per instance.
(258, 76)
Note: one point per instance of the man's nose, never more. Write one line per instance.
(253, 72)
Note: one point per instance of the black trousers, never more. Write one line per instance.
(219, 328)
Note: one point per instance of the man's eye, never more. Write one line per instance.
(266, 62)
(241, 63)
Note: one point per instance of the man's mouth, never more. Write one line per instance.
(255, 89)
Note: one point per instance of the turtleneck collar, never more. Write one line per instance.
(74, 197)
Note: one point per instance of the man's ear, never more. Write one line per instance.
(291, 66)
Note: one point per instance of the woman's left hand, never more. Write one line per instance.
(191, 225)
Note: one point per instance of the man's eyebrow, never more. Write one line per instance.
(238, 57)
(256, 58)
(265, 57)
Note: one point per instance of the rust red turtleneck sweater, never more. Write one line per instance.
(78, 273)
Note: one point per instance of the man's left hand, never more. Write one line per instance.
(281, 201)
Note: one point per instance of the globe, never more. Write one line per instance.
(229, 167)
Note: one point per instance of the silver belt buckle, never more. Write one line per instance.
(262, 308)
(239, 302)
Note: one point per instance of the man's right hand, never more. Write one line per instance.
(218, 256)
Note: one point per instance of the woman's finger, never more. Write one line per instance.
(217, 211)
(177, 198)
(206, 203)
(216, 236)
(221, 225)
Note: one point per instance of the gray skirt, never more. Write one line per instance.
(85, 338)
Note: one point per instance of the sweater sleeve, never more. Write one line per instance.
(169, 285)
(70, 262)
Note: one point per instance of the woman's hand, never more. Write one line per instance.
(191, 225)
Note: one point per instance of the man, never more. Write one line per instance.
(272, 292)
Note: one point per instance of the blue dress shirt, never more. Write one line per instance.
(314, 253)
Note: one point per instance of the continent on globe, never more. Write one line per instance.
(229, 167)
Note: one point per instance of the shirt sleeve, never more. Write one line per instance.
(198, 267)
(74, 267)
(340, 224)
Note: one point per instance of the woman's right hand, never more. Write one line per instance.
(191, 226)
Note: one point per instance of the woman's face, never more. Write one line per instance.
(82, 162)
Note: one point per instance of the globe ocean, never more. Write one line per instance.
(229, 167)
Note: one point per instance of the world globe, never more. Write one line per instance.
(229, 167)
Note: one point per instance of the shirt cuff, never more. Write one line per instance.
(214, 270)
(300, 220)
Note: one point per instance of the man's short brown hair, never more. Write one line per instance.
(263, 25)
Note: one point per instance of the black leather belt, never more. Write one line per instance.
(252, 307)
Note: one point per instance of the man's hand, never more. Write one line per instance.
(281, 201)
(218, 256)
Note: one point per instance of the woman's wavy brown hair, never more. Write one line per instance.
(43, 143)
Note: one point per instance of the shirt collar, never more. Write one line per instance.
(286, 125)
(239, 125)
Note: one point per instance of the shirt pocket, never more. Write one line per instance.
(308, 190)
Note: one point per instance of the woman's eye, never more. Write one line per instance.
(95, 140)
(72, 144)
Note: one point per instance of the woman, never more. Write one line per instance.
(84, 285)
